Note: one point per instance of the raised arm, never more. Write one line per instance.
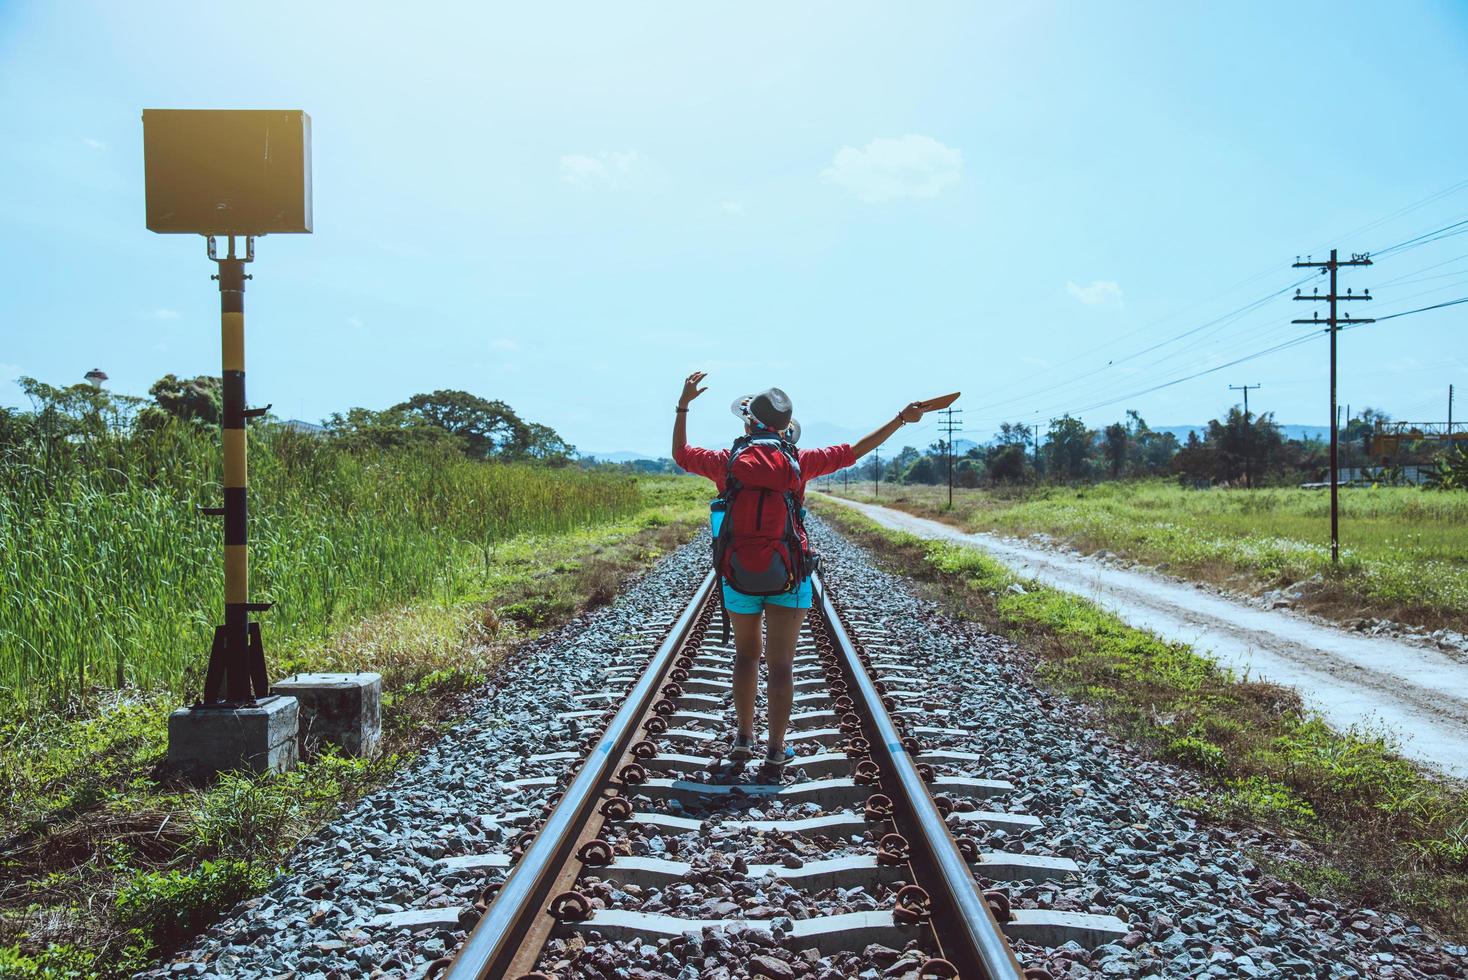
(878, 436)
(691, 390)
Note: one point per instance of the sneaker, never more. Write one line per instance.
(780, 759)
(743, 748)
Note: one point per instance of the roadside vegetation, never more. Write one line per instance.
(1388, 836)
(1404, 550)
(424, 543)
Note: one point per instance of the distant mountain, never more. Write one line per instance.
(620, 456)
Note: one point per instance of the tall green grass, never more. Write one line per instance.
(109, 576)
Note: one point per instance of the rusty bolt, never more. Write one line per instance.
(893, 849)
(912, 905)
(595, 852)
(570, 907)
(878, 807)
(617, 808)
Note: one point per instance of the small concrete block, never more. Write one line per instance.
(415, 919)
(343, 709)
(259, 739)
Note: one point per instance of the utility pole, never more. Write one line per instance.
(1450, 416)
(1248, 435)
(876, 472)
(1333, 327)
(949, 424)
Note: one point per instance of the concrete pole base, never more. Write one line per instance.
(258, 739)
(343, 709)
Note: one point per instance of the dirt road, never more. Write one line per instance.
(1416, 693)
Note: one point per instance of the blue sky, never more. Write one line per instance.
(570, 207)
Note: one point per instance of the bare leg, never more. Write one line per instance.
(747, 643)
(784, 628)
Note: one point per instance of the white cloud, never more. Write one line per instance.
(95, 144)
(1098, 293)
(504, 343)
(731, 207)
(163, 313)
(354, 321)
(887, 168)
(605, 167)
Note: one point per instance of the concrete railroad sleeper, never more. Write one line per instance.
(866, 701)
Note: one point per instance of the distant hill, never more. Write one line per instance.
(620, 456)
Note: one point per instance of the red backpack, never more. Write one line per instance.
(760, 547)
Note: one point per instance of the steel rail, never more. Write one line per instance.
(495, 941)
(962, 920)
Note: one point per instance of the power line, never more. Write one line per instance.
(1420, 309)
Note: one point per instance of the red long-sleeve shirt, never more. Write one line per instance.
(714, 463)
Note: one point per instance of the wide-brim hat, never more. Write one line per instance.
(770, 409)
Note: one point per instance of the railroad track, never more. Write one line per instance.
(867, 844)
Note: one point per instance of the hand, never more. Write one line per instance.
(691, 390)
(912, 412)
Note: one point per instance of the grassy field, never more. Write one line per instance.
(112, 579)
(106, 862)
(1404, 551)
(1388, 837)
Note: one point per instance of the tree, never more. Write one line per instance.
(488, 427)
(1067, 446)
(1115, 444)
(199, 399)
(393, 428)
(924, 470)
(1006, 463)
(1012, 433)
(1237, 438)
(1194, 462)
(545, 444)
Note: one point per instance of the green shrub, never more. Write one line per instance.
(243, 816)
(129, 954)
(1261, 799)
(170, 906)
(1195, 752)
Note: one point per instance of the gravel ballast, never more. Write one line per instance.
(384, 854)
(1195, 904)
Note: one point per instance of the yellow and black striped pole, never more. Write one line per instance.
(237, 661)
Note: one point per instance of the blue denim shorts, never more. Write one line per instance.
(749, 605)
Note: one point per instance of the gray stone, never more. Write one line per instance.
(259, 739)
(342, 709)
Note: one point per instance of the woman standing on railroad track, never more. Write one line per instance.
(761, 552)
